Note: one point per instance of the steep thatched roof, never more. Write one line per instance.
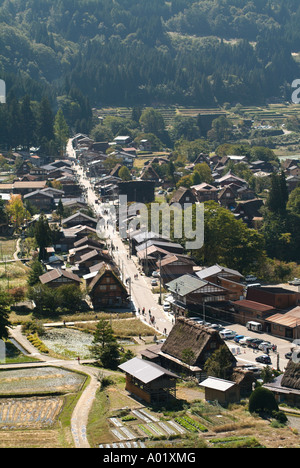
(188, 335)
(291, 377)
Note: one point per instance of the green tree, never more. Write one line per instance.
(293, 204)
(124, 173)
(105, 348)
(262, 400)
(43, 236)
(36, 270)
(278, 197)
(61, 131)
(5, 303)
(220, 363)
(204, 172)
(45, 120)
(152, 121)
(29, 123)
(69, 298)
(60, 210)
(228, 241)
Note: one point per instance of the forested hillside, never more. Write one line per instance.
(129, 52)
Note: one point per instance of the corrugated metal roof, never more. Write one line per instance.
(217, 384)
(186, 284)
(145, 371)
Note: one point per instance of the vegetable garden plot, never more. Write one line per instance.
(19, 413)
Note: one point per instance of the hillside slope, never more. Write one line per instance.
(189, 52)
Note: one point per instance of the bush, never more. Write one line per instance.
(280, 416)
(262, 400)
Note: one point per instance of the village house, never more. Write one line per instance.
(187, 338)
(286, 387)
(92, 258)
(25, 187)
(79, 218)
(44, 201)
(191, 293)
(183, 196)
(149, 381)
(230, 178)
(174, 266)
(78, 252)
(56, 278)
(285, 325)
(227, 197)
(149, 173)
(229, 279)
(205, 192)
(245, 311)
(139, 237)
(107, 290)
(248, 210)
(141, 191)
(278, 298)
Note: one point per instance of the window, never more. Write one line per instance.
(113, 287)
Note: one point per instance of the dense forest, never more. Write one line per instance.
(141, 52)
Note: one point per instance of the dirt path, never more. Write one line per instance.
(80, 415)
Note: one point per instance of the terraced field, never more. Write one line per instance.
(29, 413)
(39, 381)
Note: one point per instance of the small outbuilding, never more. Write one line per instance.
(224, 391)
(149, 381)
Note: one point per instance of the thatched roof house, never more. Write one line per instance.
(286, 387)
(291, 377)
(188, 347)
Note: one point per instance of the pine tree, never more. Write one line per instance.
(43, 236)
(61, 131)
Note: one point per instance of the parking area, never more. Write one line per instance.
(246, 355)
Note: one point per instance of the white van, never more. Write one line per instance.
(254, 326)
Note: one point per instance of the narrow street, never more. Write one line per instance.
(141, 291)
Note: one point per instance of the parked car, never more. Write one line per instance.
(250, 278)
(243, 341)
(155, 274)
(295, 282)
(154, 283)
(288, 355)
(216, 326)
(264, 359)
(167, 307)
(255, 343)
(227, 334)
(264, 346)
(237, 338)
(256, 370)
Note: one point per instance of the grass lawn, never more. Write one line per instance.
(7, 248)
(13, 275)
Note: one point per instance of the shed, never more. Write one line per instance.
(149, 381)
(224, 391)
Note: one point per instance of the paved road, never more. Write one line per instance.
(141, 291)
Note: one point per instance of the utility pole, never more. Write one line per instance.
(160, 279)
